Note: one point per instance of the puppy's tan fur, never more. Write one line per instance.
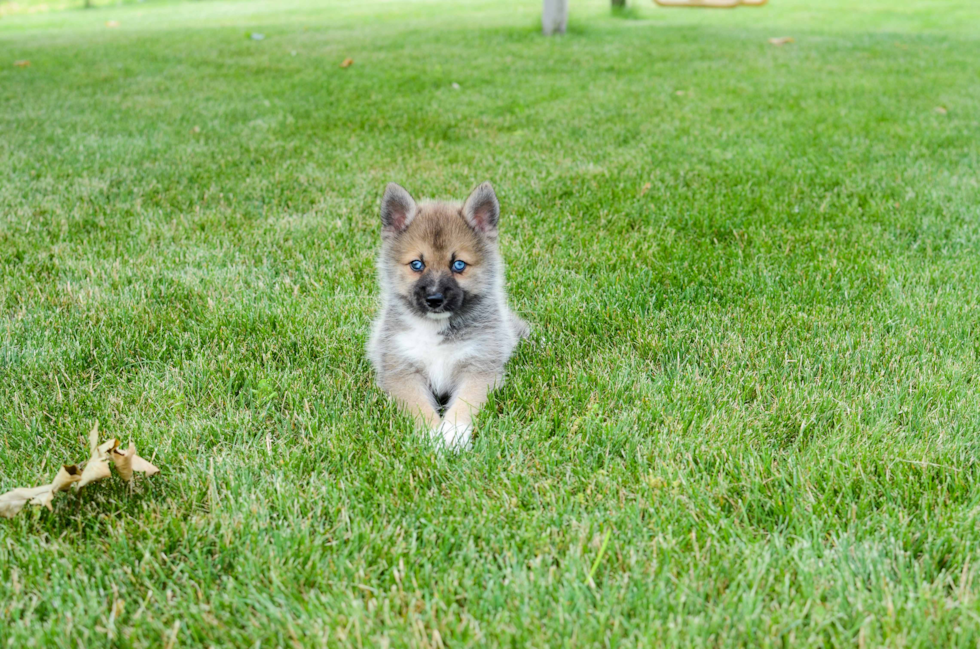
(443, 335)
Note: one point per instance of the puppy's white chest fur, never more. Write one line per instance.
(424, 346)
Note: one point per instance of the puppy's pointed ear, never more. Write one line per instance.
(397, 209)
(482, 211)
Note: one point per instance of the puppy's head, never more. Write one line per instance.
(439, 259)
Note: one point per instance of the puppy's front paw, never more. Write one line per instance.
(454, 436)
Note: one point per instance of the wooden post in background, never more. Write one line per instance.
(554, 17)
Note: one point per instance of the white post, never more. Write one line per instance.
(554, 17)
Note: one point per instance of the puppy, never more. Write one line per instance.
(444, 331)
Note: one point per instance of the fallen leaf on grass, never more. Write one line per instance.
(22, 64)
(107, 447)
(941, 110)
(142, 466)
(97, 450)
(67, 475)
(111, 23)
(44, 498)
(96, 468)
(128, 461)
(13, 501)
(347, 63)
(123, 460)
(646, 188)
(782, 40)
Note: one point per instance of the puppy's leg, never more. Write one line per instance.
(413, 396)
(521, 328)
(457, 423)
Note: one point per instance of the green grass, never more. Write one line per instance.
(749, 411)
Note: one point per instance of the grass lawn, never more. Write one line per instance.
(749, 413)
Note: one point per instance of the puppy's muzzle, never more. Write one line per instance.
(435, 301)
(436, 294)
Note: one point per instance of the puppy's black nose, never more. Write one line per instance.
(435, 300)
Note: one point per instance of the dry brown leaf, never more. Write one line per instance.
(646, 188)
(782, 40)
(44, 498)
(22, 64)
(347, 63)
(107, 447)
(13, 501)
(93, 440)
(96, 469)
(141, 465)
(128, 461)
(102, 450)
(67, 475)
(941, 110)
(123, 460)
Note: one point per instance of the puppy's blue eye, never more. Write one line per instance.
(459, 266)
(417, 265)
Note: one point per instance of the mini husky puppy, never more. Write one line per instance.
(444, 331)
